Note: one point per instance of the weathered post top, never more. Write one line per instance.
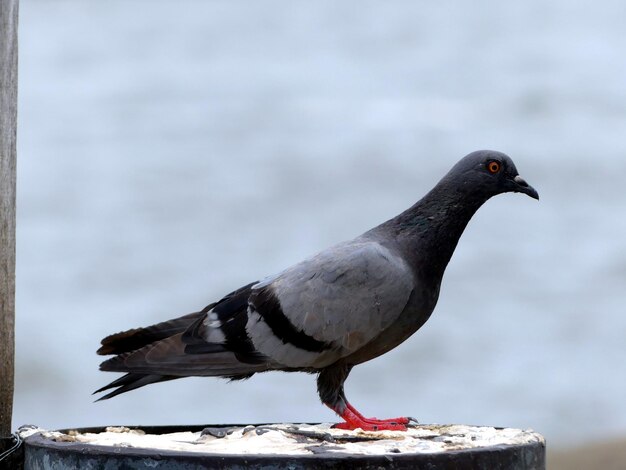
(294, 446)
(8, 126)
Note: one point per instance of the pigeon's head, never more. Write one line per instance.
(489, 173)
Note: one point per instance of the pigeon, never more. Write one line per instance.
(339, 308)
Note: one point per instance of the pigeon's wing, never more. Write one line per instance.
(328, 306)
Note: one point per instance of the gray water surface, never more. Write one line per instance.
(170, 152)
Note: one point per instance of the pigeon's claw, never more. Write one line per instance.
(412, 422)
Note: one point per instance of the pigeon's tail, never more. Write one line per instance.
(129, 382)
(193, 345)
(131, 340)
(171, 358)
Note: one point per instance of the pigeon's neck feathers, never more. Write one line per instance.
(428, 232)
(453, 201)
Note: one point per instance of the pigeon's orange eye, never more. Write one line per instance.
(493, 167)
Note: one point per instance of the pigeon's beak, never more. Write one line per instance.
(521, 186)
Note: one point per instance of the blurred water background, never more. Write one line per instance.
(170, 152)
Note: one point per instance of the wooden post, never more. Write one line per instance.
(8, 125)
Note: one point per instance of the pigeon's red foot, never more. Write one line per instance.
(370, 426)
(355, 420)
